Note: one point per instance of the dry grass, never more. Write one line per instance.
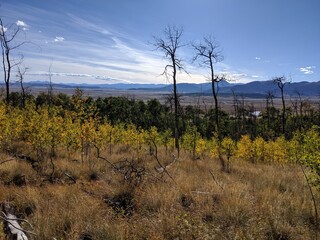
(251, 202)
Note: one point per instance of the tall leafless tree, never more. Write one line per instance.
(24, 91)
(269, 106)
(208, 53)
(50, 87)
(8, 34)
(281, 83)
(169, 45)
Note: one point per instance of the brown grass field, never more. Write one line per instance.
(193, 200)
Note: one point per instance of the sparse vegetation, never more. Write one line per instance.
(120, 180)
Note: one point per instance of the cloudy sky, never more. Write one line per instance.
(109, 41)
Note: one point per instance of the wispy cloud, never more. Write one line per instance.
(260, 59)
(59, 39)
(76, 76)
(307, 70)
(84, 24)
(93, 52)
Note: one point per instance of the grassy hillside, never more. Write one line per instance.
(197, 200)
(66, 173)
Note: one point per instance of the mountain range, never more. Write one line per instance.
(256, 89)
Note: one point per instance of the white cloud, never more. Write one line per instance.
(262, 60)
(44, 73)
(20, 23)
(3, 29)
(239, 75)
(307, 70)
(255, 76)
(86, 76)
(59, 39)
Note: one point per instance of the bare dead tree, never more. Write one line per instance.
(8, 34)
(269, 105)
(236, 107)
(269, 99)
(281, 83)
(208, 53)
(169, 45)
(50, 86)
(24, 91)
(301, 105)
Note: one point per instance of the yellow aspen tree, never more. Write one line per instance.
(228, 149)
(167, 140)
(71, 131)
(190, 139)
(153, 140)
(244, 149)
(11, 126)
(134, 138)
(213, 146)
(201, 147)
(258, 149)
(104, 136)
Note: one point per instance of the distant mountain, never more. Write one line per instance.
(184, 88)
(256, 89)
(117, 86)
(187, 87)
(181, 87)
(262, 87)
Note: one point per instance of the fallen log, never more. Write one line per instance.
(14, 230)
(12, 227)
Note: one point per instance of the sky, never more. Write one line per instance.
(111, 41)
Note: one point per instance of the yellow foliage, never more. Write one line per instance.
(134, 138)
(228, 147)
(277, 151)
(245, 149)
(70, 137)
(258, 148)
(201, 146)
(47, 128)
(213, 146)
(11, 125)
(104, 135)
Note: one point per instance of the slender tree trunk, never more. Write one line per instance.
(216, 113)
(110, 140)
(283, 112)
(4, 68)
(7, 80)
(216, 105)
(176, 118)
(169, 46)
(7, 92)
(23, 94)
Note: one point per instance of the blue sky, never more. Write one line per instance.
(109, 41)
